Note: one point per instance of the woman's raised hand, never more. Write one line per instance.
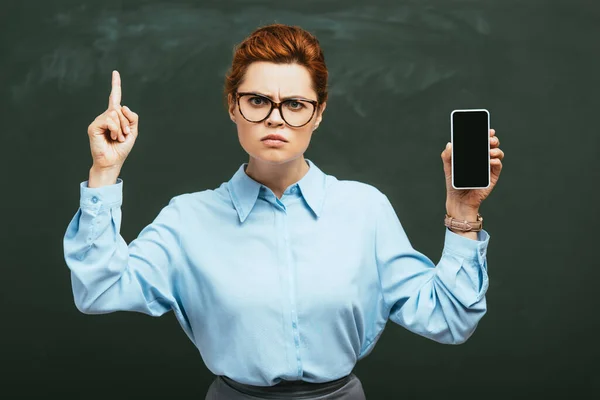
(113, 133)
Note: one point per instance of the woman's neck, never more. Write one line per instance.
(277, 177)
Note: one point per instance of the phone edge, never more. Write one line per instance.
(452, 142)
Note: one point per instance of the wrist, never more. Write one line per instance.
(103, 176)
(462, 212)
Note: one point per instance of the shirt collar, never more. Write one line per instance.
(244, 190)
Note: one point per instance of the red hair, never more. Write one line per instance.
(281, 44)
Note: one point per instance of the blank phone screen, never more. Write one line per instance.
(470, 148)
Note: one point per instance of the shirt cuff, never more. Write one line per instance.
(465, 247)
(107, 196)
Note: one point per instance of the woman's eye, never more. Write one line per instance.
(295, 105)
(252, 100)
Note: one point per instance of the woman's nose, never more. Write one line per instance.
(275, 117)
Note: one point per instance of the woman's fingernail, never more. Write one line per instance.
(127, 129)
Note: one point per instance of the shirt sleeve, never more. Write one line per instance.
(442, 302)
(108, 275)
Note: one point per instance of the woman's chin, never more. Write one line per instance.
(273, 156)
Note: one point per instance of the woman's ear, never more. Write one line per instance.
(231, 103)
(320, 111)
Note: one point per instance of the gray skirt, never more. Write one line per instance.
(346, 388)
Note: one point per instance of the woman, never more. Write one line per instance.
(284, 276)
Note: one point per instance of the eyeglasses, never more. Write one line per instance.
(256, 108)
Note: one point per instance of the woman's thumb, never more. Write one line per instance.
(447, 153)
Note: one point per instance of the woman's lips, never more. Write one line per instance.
(274, 142)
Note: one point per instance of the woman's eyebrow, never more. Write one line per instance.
(283, 98)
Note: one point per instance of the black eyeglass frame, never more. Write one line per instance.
(276, 105)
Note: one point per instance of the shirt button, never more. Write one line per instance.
(94, 199)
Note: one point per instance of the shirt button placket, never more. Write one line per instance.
(292, 290)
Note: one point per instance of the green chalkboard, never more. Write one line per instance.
(397, 70)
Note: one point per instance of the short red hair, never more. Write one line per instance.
(281, 44)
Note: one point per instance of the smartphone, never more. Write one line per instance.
(470, 137)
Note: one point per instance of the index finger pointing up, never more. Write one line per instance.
(115, 94)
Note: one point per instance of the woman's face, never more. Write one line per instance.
(275, 81)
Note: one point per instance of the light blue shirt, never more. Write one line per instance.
(267, 289)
